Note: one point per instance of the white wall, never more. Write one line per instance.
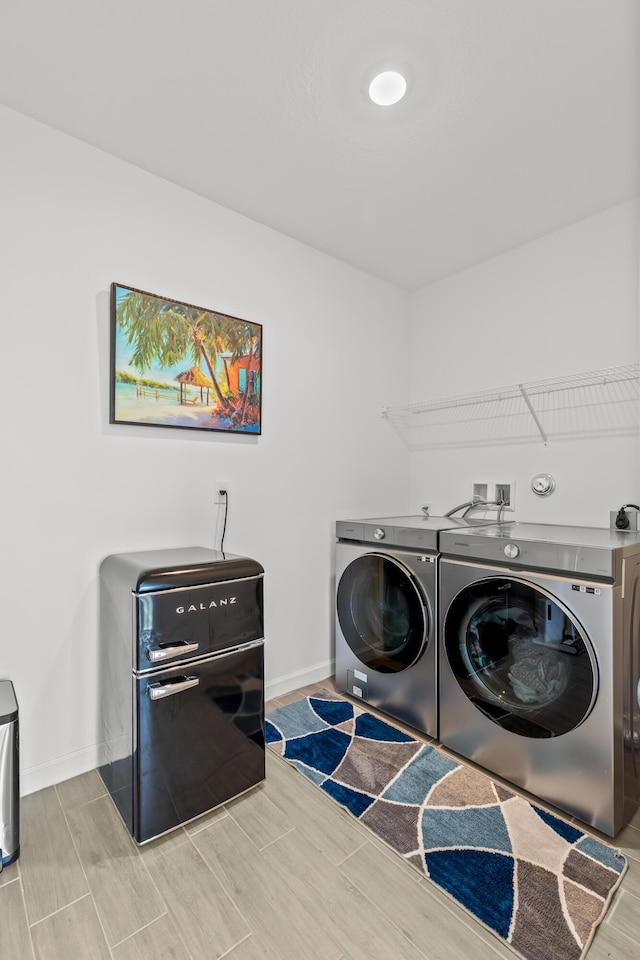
(564, 304)
(338, 345)
(76, 488)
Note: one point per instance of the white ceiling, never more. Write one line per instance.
(522, 116)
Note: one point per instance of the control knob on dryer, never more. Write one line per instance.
(511, 551)
(378, 533)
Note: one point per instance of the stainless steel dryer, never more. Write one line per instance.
(386, 614)
(540, 662)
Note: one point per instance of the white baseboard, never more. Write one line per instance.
(291, 681)
(50, 772)
(46, 774)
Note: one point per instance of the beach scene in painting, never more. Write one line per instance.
(176, 365)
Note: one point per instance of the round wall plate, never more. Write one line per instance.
(543, 484)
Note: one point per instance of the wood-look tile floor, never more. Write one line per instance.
(281, 873)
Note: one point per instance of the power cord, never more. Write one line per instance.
(223, 493)
(622, 520)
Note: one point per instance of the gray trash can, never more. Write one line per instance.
(9, 776)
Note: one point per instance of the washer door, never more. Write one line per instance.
(381, 613)
(520, 657)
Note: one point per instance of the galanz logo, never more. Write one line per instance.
(193, 608)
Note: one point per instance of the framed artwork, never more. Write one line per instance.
(177, 365)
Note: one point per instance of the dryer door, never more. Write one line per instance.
(381, 613)
(520, 657)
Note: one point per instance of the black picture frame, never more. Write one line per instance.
(174, 364)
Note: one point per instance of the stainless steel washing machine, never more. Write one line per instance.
(540, 662)
(386, 614)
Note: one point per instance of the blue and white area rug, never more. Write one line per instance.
(537, 882)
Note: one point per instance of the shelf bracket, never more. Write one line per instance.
(525, 397)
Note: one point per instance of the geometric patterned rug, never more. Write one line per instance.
(535, 881)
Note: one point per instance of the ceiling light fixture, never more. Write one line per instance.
(387, 88)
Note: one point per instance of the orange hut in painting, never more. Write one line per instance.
(237, 372)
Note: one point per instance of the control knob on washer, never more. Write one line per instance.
(378, 533)
(511, 551)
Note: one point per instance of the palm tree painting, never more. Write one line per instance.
(177, 365)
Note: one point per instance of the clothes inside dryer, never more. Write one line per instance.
(520, 657)
(381, 613)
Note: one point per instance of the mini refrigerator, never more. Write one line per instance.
(182, 683)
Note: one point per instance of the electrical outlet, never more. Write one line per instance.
(505, 493)
(219, 485)
(629, 521)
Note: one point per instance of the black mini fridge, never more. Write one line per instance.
(182, 683)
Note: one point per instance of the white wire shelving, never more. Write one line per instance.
(601, 403)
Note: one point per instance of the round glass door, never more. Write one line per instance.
(520, 657)
(381, 613)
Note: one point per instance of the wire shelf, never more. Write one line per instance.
(601, 403)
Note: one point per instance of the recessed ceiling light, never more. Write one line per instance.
(387, 88)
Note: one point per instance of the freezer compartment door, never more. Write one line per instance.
(199, 738)
(178, 625)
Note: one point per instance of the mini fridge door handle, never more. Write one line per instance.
(175, 650)
(157, 691)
